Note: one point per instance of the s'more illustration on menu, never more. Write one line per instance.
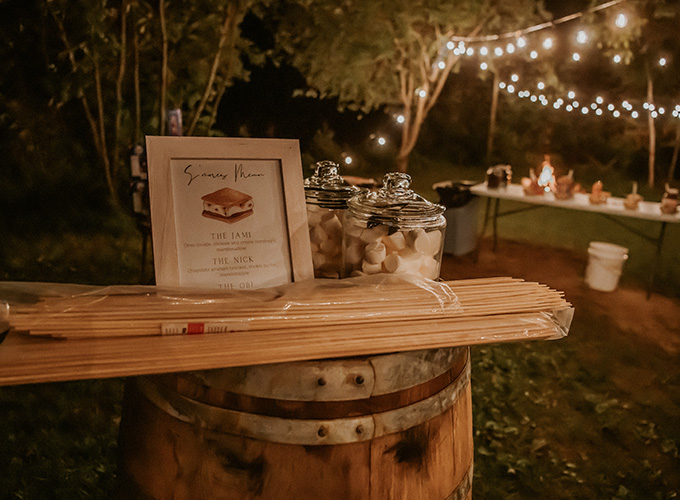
(227, 205)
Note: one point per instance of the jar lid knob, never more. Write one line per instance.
(397, 182)
(326, 169)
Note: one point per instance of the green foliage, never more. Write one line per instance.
(356, 50)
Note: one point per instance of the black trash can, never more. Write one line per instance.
(462, 216)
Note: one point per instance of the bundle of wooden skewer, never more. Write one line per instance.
(490, 307)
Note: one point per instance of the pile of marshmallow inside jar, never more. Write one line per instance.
(355, 232)
(393, 230)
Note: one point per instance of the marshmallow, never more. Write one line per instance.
(394, 242)
(318, 235)
(369, 268)
(372, 234)
(333, 227)
(429, 268)
(330, 247)
(435, 241)
(375, 252)
(354, 255)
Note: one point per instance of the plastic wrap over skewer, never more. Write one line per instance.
(461, 312)
(62, 310)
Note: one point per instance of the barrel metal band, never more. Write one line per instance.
(462, 491)
(299, 431)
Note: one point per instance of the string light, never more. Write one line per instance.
(621, 21)
(582, 37)
(576, 56)
(400, 119)
(382, 141)
(599, 106)
(662, 61)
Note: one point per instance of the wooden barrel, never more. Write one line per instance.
(395, 426)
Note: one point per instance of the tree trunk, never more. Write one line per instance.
(652, 129)
(164, 66)
(115, 154)
(492, 118)
(674, 159)
(138, 92)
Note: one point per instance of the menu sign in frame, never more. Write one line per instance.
(227, 213)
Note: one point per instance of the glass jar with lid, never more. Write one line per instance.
(393, 230)
(326, 195)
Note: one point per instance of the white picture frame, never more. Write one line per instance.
(227, 213)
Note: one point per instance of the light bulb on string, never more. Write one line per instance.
(514, 77)
(581, 37)
(616, 113)
(598, 112)
(521, 42)
(470, 51)
(634, 114)
(484, 66)
(501, 85)
(484, 51)
(450, 45)
(382, 141)
(571, 94)
(576, 56)
(617, 58)
(510, 48)
(662, 61)
(533, 54)
(400, 119)
(348, 160)
(511, 88)
(548, 43)
(498, 51)
(621, 21)
(584, 110)
(441, 65)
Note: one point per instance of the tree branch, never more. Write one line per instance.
(228, 28)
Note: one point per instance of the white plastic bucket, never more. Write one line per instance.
(605, 264)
